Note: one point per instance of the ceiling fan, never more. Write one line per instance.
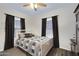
(35, 5)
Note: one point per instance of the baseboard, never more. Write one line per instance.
(66, 49)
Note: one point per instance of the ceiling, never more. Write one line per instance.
(27, 10)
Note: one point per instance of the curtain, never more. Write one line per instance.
(22, 23)
(55, 31)
(44, 27)
(9, 32)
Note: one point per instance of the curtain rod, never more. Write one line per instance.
(12, 15)
(51, 16)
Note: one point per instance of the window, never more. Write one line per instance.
(17, 25)
(49, 29)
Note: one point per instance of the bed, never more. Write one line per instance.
(35, 45)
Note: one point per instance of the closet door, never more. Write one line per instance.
(9, 32)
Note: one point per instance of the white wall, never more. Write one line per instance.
(66, 24)
(2, 23)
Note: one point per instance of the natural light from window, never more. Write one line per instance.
(17, 25)
(49, 29)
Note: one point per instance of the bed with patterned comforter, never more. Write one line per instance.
(36, 46)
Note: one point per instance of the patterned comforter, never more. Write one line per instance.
(36, 46)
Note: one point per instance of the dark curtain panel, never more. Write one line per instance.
(22, 23)
(55, 31)
(9, 32)
(44, 27)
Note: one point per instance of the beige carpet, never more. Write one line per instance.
(60, 52)
(52, 52)
(12, 52)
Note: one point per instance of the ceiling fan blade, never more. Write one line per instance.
(41, 4)
(26, 5)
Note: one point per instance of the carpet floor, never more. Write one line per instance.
(52, 52)
(12, 52)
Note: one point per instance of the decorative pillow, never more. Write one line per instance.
(28, 35)
(21, 35)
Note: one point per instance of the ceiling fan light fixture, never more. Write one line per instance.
(34, 6)
(31, 5)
